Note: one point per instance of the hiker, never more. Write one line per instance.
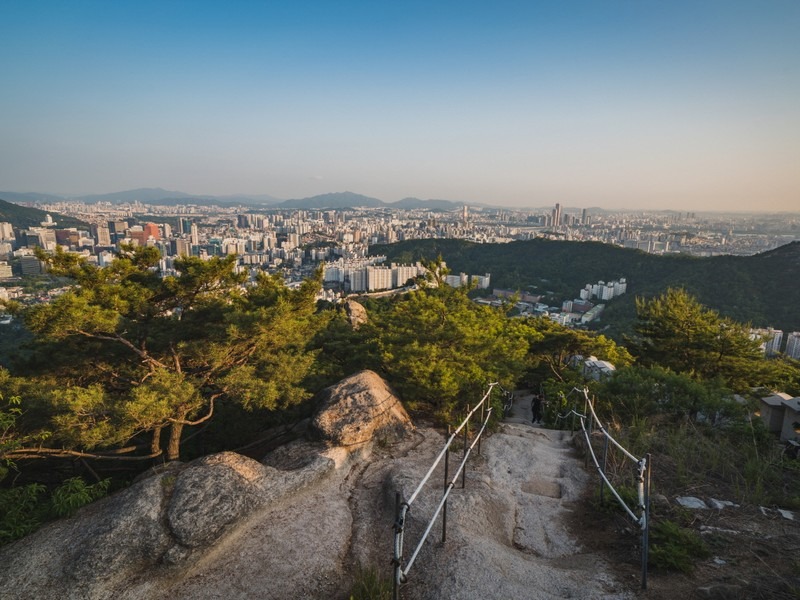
(536, 408)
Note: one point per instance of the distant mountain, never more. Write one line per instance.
(145, 195)
(416, 203)
(743, 288)
(23, 217)
(250, 199)
(333, 200)
(31, 197)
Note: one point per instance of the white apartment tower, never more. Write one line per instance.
(793, 345)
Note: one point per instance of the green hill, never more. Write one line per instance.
(758, 289)
(23, 217)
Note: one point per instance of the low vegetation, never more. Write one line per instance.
(128, 368)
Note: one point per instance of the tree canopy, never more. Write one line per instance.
(156, 352)
(675, 331)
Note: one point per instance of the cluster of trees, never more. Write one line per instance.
(130, 365)
(126, 360)
(564, 267)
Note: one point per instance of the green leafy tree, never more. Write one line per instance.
(634, 393)
(439, 348)
(677, 332)
(553, 349)
(155, 353)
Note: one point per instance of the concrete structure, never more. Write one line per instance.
(771, 340)
(482, 281)
(793, 345)
(771, 410)
(597, 369)
(459, 280)
(790, 429)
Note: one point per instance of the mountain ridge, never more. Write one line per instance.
(23, 217)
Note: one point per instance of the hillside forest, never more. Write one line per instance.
(748, 289)
(129, 369)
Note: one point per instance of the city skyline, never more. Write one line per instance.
(624, 105)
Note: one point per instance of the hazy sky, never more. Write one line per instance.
(612, 103)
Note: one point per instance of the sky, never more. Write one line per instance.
(669, 104)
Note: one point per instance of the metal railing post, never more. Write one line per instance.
(446, 483)
(483, 413)
(572, 427)
(605, 456)
(397, 560)
(646, 528)
(466, 435)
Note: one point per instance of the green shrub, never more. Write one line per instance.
(74, 493)
(369, 585)
(21, 511)
(674, 548)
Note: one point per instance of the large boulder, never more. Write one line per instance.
(356, 313)
(359, 409)
(165, 520)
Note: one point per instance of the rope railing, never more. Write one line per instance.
(642, 478)
(402, 508)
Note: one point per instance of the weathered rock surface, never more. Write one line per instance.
(356, 313)
(164, 520)
(300, 524)
(359, 408)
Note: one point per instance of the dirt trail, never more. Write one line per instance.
(507, 536)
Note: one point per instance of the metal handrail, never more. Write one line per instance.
(402, 508)
(643, 476)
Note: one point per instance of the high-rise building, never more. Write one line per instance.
(557, 216)
(771, 340)
(151, 231)
(379, 278)
(793, 345)
(6, 231)
(101, 234)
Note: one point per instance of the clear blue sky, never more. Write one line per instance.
(614, 103)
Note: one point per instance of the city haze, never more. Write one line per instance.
(683, 105)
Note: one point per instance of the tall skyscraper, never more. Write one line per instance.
(557, 216)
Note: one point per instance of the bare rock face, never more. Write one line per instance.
(159, 522)
(212, 493)
(358, 409)
(150, 535)
(83, 556)
(356, 313)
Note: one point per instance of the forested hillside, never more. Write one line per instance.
(752, 289)
(23, 217)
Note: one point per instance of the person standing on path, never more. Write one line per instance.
(536, 408)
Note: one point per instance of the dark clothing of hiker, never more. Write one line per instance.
(536, 408)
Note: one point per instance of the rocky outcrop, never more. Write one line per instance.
(358, 409)
(163, 520)
(160, 527)
(356, 313)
